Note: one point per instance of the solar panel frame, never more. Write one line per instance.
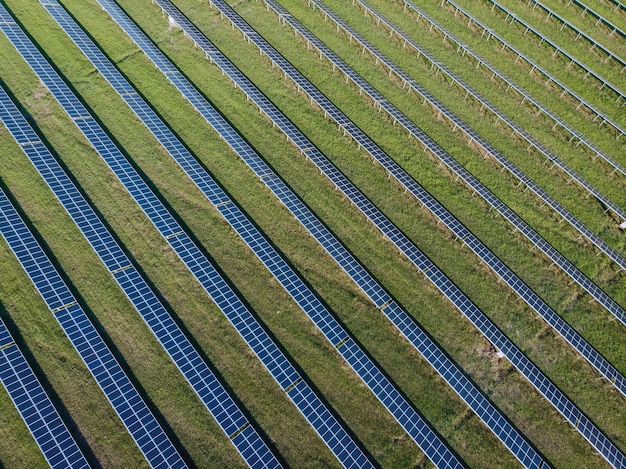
(594, 43)
(604, 83)
(509, 85)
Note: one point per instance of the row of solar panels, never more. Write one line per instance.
(602, 82)
(461, 172)
(270, 355)
(599, 18)
(106, 370)
(461, 232)
(338, 337)
(574, 136)
(293, 284)
(560, 402)
(546, 78)
(27, 393)
(474, 137)
(577, 31)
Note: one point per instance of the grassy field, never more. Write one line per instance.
(101, 434)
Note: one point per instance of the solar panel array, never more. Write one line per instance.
(541, 383)
(415, 426)
(603, 82)
(593, 42)
(275, 361)
(599, 18)
(474, 137)
(545, 77)
(35, 407)
(466, 51)
(415, 189)
(106, 370)
(203, 381)
(447, 369)
(490, 259)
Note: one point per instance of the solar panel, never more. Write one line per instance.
(527, 368)
(117, 387)
(343, 257)
(312, 408)
(41, 417)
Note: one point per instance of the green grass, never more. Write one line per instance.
(294, 440)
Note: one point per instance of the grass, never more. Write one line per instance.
(294, 440)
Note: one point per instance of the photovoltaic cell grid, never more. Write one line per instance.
(130, 407)
(592, 42)
(563, 404)
(490, 259)
(202, 380)
(34, 405)
(416, 190)
(485, 104)
(376, 293)
(333, 331)
(548, 79)
(604, 83)
(311, 407)
(459, 124)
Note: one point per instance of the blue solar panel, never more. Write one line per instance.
(350, 265)
(130, 407)
(255, 336)
(42, 419)
(177, 345)
(527, 368)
